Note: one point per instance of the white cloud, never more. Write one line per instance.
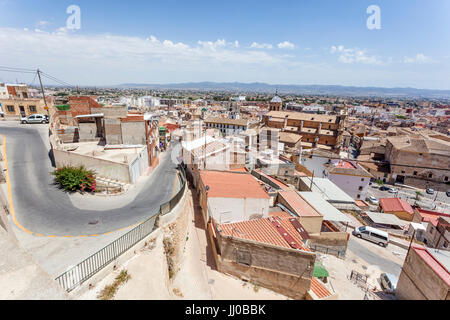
(419, 58)
(354, 55)
(286, 45)
(66, 51)
(256, 45)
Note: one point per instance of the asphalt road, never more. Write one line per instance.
(42, 207)
(438, 200)
(360, 249)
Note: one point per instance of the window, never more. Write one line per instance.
(360, 188)
(446, 179)
(403, 171)
(378, 236)
(32, 108)
(243, 257)
(358, 196)
(362, 179)
(10, 108)
(445, 244)
(430, 175)
(415, 173)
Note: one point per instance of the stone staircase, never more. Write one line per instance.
(112, 183)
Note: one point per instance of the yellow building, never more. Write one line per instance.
(16, 108)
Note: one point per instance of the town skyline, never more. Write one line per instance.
(170, 43)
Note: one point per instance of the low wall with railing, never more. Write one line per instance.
(91, 266)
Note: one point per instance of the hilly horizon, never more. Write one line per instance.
(295, 89)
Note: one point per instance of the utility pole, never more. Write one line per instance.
(42, 89)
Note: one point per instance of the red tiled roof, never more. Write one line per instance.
(395, 205)
(361, 203)
(239, 170)
(280, 214)
(298, 204)
(345, 164)
(262, 230)
(318, 289)
(434, 264)
(226, 184)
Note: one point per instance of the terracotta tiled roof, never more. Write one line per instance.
(431, 216)
(262, 230)
(298, 204)
(226, 184)
(318, 289)
(395, 205)
(302, 116)
(279, 213)
(289, 137)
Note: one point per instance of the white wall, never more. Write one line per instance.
(351, 184)
(228, 210)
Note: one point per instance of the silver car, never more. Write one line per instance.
(35, 118)
(388, 282)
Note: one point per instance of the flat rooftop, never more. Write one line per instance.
(123, 154)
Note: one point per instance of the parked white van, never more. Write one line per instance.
(372, 234)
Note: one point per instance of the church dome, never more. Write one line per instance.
(276, 99)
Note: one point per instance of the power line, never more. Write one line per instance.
(56, 79)
(18, 69)
(33, 71)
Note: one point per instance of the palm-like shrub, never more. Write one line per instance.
(75, 178)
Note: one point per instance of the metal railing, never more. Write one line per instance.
(326, 250)
(75, 276)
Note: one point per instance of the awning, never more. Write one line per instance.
(385, 219)
(94, 115)
(328, 211)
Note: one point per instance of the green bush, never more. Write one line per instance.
(75, 178)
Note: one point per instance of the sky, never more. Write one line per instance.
(277, 42)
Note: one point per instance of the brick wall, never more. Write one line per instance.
(283, 270)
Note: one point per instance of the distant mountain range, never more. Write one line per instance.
(331, 90)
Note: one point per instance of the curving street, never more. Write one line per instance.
(41, 207)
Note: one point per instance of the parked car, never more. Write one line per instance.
(384, 188)
(392, 190)
(430, 191)
(388, 282)
(373, 200)
(448, 193)
(35, 118)
(371, 234)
